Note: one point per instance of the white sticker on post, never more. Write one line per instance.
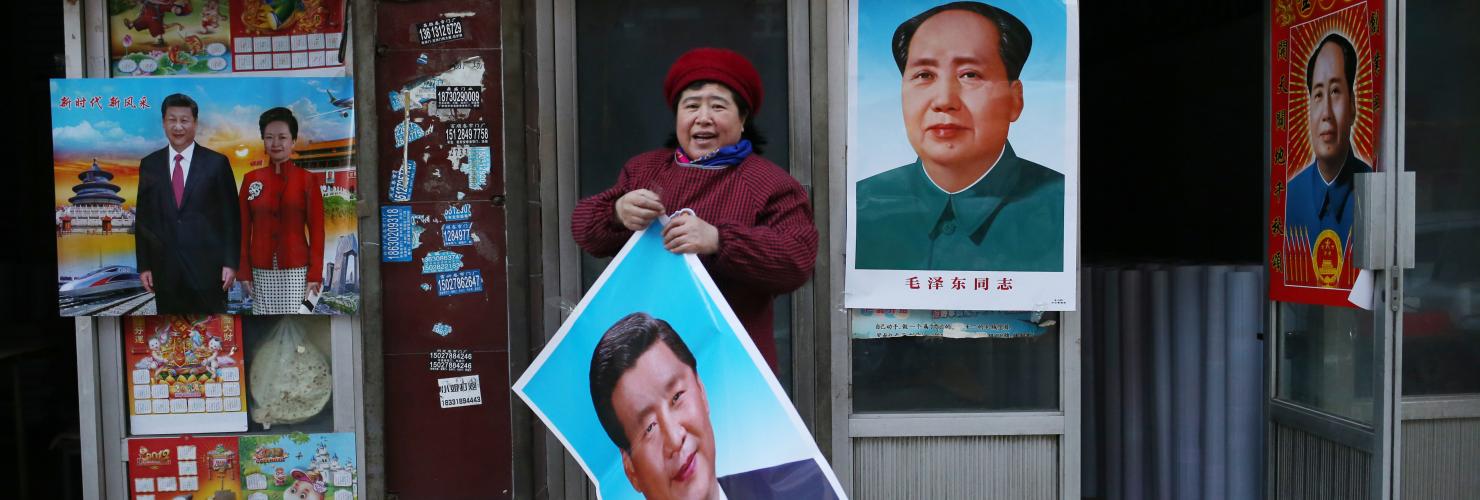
(460, 391)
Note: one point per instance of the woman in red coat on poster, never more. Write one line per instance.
(282, 223)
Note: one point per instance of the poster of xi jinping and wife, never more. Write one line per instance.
(1326, 111)
(963, 155)
(205, 195)
(657, 390)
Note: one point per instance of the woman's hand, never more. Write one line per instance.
(636, 209)
(311, 289)
(687, 233)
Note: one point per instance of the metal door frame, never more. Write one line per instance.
(554, 48)
(1428, 407)
(1381, 438)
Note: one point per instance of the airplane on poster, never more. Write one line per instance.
(343, 106)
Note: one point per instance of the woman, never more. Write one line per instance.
(751, 223)
(282, 223)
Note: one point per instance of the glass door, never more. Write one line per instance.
(1439, 444)
(1331, 402)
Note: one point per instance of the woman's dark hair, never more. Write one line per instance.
(278, 114)
(752, 133)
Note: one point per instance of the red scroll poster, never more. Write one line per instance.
(1326, 108)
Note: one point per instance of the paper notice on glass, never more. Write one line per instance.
(1361, 294)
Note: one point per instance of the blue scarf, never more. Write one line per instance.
(724, 157)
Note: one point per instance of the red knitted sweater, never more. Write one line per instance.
(767, 242)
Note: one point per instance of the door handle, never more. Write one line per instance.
(1407, 197)
(1373, 217)
(1369, 229)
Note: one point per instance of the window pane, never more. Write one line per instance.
(1326, 359)
(267, 336)
(936, 373)
(1441, 307)
(623, 50)
(781, 325)
(286, 373)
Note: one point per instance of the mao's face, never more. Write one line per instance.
(179, 126)
(661, 405)
(1331, 106)
(958, 102)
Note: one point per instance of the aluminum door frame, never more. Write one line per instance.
(1380, 439)
(1428, 407)
(553, 28)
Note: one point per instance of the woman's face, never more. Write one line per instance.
(278, 142)
(708, 118)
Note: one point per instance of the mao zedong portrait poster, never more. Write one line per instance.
(656, 389)
(963, 155)
(1326, 107)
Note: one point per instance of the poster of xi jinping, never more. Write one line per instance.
(205, 195)
(1326, 102)
(963, 155)
(656, 389)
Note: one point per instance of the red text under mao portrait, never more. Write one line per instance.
(1326, 72)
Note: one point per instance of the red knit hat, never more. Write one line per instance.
(720, 65)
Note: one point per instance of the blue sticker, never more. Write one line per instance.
(480, 163)
(402, 180)
(442, 329)
(460, 282)
(422, 59)
(454, 212)
(457, 234)
(441, 261)
(421, 93)
(395, 233)
(416, 133)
